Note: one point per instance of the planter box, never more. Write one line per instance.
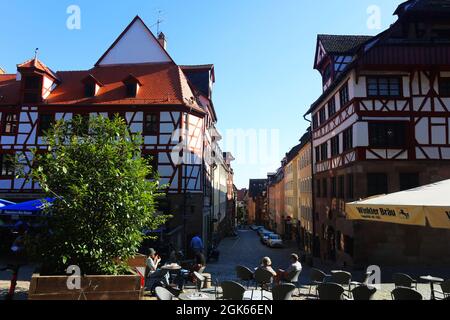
(123, 287)
(139, 261)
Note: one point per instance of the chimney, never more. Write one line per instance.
(162, 40)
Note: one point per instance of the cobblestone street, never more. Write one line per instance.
(248, 251)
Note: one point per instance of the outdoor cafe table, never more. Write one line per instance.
(171, 267)
(196, 296)
(432, 280)
(256, 295)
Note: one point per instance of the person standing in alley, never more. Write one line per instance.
(197, 244)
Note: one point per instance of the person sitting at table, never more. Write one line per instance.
(188, 275)
(154, 274)
(266, 264)
(295, 266)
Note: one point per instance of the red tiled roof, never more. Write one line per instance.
(9, 89)
(162, 83)
(35, 63)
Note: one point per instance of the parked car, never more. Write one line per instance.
(265, 238)
(274, 241)
(258, 228)
(254, 227)
(265, 235)
(261, 231)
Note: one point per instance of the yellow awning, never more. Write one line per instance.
(412, 207)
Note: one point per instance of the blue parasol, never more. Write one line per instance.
(28, 208)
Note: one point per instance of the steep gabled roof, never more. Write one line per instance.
(429, 6)
(342, 44)
(135, 45)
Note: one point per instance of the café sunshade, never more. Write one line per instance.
(412, 207)
(28, 208)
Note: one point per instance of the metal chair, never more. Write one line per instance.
(199, 281)
(445, 290)
(343, 278)
(404, 280)
(355, 284)
(330, 291)
(283, 291)
(316, 277)
(232, 291)
(244, 274)
(202, 269)
(403, 293)
(292, 278)
(163, 294)
(263, 279)
(363, 293)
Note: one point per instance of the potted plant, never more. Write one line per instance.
(105, 195)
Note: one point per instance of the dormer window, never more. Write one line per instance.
(131, 90)
(32, 82)
(89, 90)
(327, 73)
(91, 86)
(132, 85)
(32, 88)
(37, 81)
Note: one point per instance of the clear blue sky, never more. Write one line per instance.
(263, 50)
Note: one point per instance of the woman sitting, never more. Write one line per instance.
(155, 276)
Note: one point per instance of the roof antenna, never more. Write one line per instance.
(158, 22)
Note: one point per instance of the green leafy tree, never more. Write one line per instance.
(106, 194)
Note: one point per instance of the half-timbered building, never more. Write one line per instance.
(136, 78)
(382, 125)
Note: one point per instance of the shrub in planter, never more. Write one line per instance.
(105, 194)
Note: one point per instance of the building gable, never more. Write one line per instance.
(136, 45)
